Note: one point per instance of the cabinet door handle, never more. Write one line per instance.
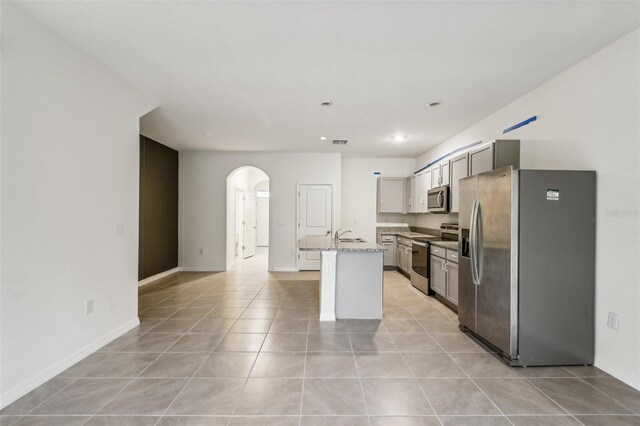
(443, 267)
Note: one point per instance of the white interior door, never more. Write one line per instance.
(314, 219)
(262, 221)
(238, 230)
(249, 248)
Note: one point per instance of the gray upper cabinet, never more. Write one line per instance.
(440, 174)
(416, 191)
(481, 159)
(444, 173)
(420, 192)
(435, 176)
(411, 202)
(486, 157)
(391, 195)
(426, 187)
(459, 168)
(494, 155)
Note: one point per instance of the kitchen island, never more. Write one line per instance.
(351, 278)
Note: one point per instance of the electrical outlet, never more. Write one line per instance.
(88, 306)
(613, 321)
(328, 267)
(201, 251)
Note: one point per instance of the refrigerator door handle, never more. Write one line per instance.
(472, 242)
(478, 238)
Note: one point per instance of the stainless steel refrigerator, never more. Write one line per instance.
(527, 264)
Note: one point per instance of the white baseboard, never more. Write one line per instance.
(283, 269)
(619, 374)
(158, 276)
(40, 378)
(327, 317)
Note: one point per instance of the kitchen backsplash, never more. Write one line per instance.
(409, 219)
(433, 221)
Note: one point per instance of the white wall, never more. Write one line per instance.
(69, 175)
(262, 215)
(589, 118)
(359, 193)
(204, 202)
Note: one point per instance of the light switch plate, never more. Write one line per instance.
(613, 321)
(88, 306)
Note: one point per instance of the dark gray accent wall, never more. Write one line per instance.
(158, 239)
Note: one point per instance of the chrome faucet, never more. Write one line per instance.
(338, 235)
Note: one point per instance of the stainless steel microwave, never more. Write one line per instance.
(438, 200)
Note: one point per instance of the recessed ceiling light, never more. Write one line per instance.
(206, 133)
(326, 103)
(323, 138)
(434, 104)
(399, 138)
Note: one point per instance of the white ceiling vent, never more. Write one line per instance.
(340, 141)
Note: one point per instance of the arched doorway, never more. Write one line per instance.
(248, 217)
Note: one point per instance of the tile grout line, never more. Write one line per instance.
(403, 299)
(604, 393)
(246, 379)
(554, 401)
(353, 355)
(206, 358)
(403, 358)
(455, 362)
(158, 357)
(110, 399)
(74, 380)
(304, 369)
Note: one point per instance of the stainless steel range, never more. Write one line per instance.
(421, 249)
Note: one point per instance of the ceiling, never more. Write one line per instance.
(250, 76)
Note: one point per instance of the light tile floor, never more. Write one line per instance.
(245, 348)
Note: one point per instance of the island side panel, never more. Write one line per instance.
(328, 269)
(359, 284)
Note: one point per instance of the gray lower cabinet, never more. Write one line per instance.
(389, 254)
(403, 257)
(452, 282)
(438, 280)
(444, 277)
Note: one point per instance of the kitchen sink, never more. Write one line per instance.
(351, 240)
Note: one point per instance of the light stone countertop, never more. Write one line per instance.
(329, 244)
(450, 245)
